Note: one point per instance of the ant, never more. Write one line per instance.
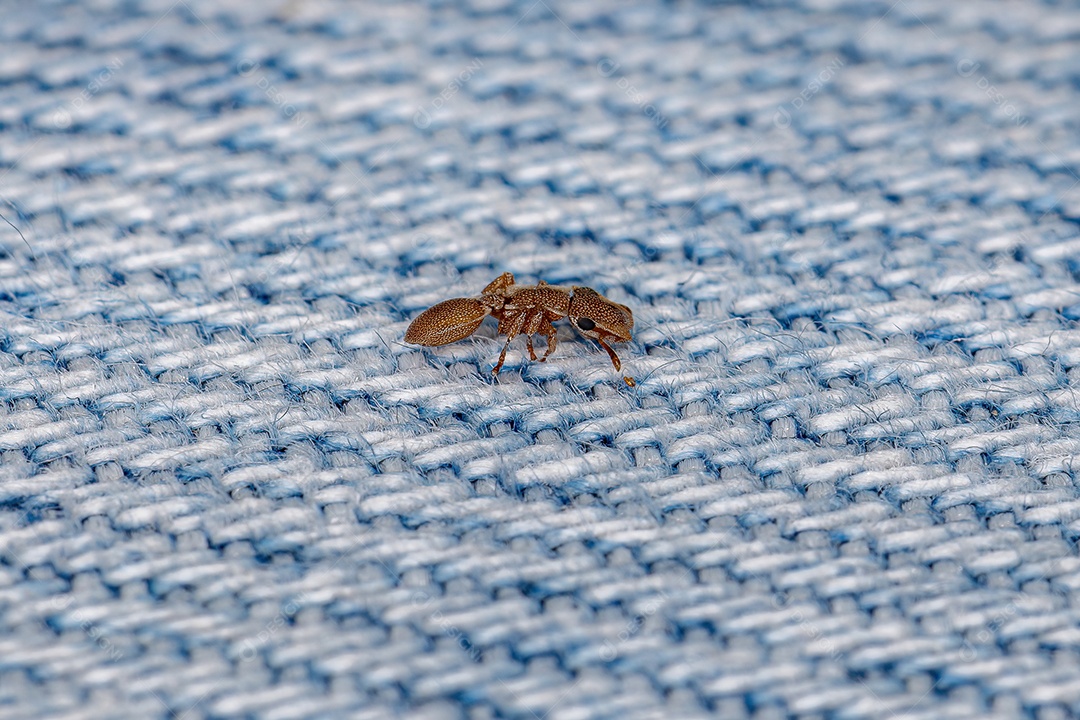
(527, 310)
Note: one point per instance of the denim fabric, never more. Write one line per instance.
(843, 487)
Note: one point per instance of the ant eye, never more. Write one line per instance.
(585, 324)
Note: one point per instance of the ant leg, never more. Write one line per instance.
(551, 342)
(511, 333)
(533, 326)
(502, 357)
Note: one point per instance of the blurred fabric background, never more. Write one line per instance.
(844, 486)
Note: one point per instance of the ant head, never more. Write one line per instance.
(597, 317)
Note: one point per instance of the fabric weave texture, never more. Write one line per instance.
(844, 486)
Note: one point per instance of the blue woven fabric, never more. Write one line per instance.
(845, 485)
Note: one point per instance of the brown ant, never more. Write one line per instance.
(526, 310)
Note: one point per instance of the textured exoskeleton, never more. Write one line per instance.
(526, 310)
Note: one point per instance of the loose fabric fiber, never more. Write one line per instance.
(844, 486)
